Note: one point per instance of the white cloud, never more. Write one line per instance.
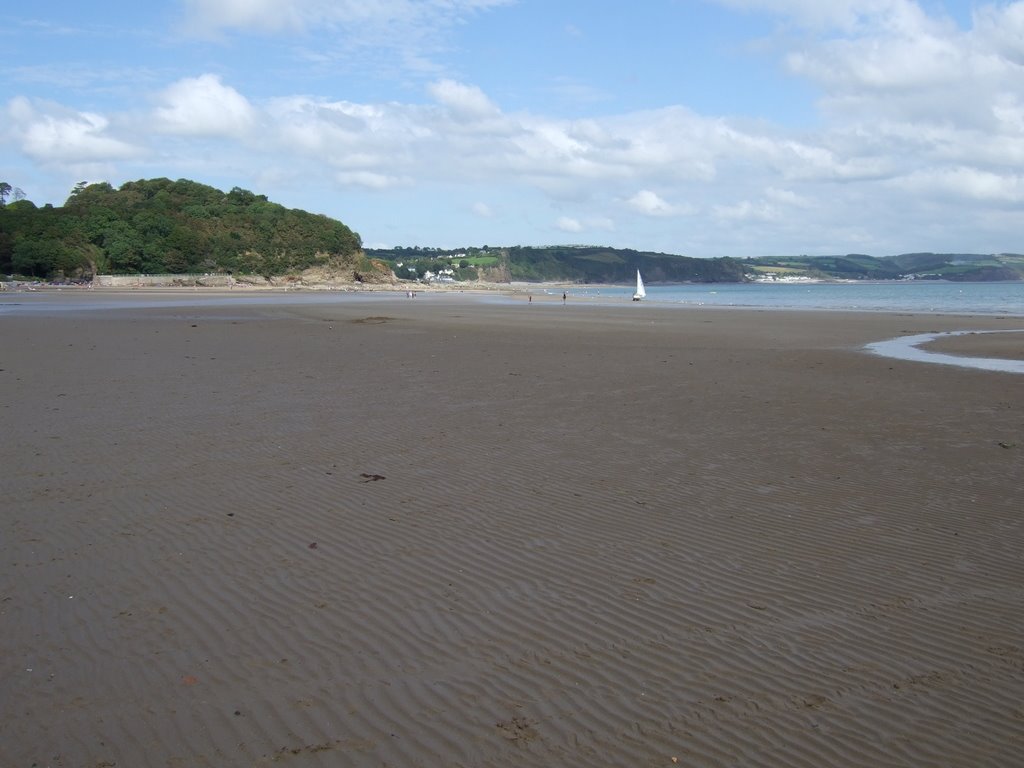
(567, 224)
(1009, 113)
(910, 102)
(54, 135)
(469, 138)
(649, 203)
(958, 183)
(890, 59)
(786, 197)
(371, 180)
(846, 15)
(213, 16)
(483, 210)
(323, 128)
(203, 106)
(590, 223)
(205, 17)
(462, 101)
(395, 40)
(747, 210)
(1000, 28)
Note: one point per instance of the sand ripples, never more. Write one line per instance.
(477, 548)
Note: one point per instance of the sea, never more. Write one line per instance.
(918, 296)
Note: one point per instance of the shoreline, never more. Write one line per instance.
(690, 295)
(972, 347)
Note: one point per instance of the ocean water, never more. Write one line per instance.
(1003, 298)
(920, 297)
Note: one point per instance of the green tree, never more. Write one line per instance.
(239, 196)
(78, 189)
(158, 224)
(122, 246)
(35, 258)
(6, 252)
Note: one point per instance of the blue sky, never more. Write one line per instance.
(700, 127)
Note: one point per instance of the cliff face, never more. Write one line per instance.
(496, 274)
(348, 270)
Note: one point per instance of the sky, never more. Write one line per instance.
(697, 127)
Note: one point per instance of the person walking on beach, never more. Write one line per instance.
(563, 298)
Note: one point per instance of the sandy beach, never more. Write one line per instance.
(454, 531)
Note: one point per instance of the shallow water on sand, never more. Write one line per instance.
(908, 348)
(898, 296)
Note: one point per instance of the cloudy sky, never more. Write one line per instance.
(700, 127)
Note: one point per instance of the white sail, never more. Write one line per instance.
(640, 291)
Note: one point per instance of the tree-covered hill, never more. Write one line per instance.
(162, 226)
(964, 267)
(587, 264)
(596, 265)
(576, 264)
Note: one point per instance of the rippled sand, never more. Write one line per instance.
(445, 532)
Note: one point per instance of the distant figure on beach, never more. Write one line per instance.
(530, 298)
(563, 297)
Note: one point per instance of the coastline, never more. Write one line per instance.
(465, 532)
(996, 299)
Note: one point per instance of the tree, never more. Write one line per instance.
(240, 196)
(35, 257)
(158, 224)
(5, 190)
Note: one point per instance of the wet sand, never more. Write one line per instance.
(1006, 346)
(447, 531)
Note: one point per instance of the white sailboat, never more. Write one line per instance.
(641, 292)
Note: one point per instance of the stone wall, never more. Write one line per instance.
(151, 281)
